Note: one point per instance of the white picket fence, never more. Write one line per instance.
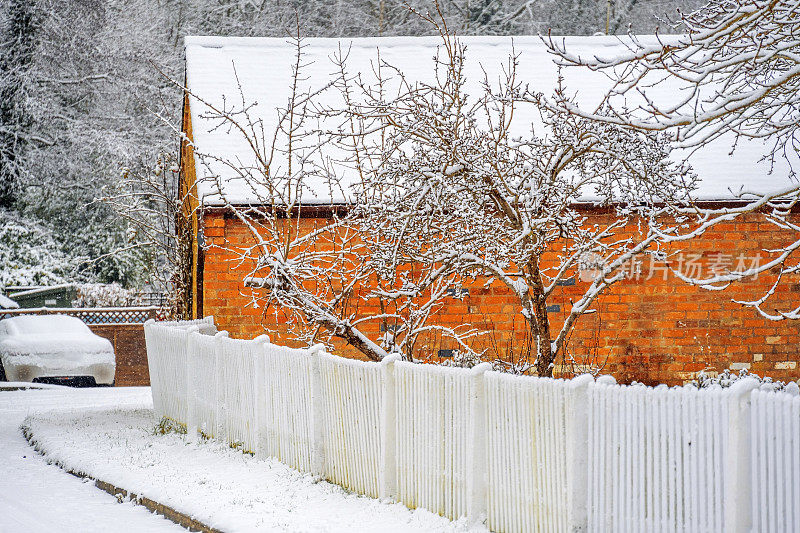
(520, 453)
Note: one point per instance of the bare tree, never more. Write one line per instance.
(738, 69)
(151, 202)
(78, 90)
(321, 278)
(450, 180)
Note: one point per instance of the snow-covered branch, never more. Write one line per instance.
(323, 280)
(448, 183)
(735, 73)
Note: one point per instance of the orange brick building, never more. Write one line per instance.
(651, 327)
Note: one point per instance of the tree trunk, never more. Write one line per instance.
(537, 319)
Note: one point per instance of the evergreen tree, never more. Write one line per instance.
(16, 54)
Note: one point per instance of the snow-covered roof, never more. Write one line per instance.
(216, 67)
(7, 303)
(42, 290)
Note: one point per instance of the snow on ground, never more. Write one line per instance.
(38, 497)
(24, 385)
(216, 485)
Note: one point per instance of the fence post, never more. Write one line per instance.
(261, 398)
(191, 403)
(577, 452)
(191, 416)
(477, 475)
(221, 431)
(606, 380)
(191, 419)
(738, 490)
(154, 369)
(388, 464)
(317, 416)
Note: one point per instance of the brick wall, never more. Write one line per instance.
(651, 328)
(129, 347)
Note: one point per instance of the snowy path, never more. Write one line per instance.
(37, 497)
(223, 488)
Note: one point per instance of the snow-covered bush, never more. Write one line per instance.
(103, 295)
(29, 253)
(463, 359)
(726, 378)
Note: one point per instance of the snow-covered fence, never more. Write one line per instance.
(205, 389)
(288, 421)
(351, 409)
(526, 454)
(242, 369)
(658, 458)
(775, 427)
(167, 359)
(536, 469)
(106, 316)
(436, 411)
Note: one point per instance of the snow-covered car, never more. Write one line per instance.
(54, 348)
